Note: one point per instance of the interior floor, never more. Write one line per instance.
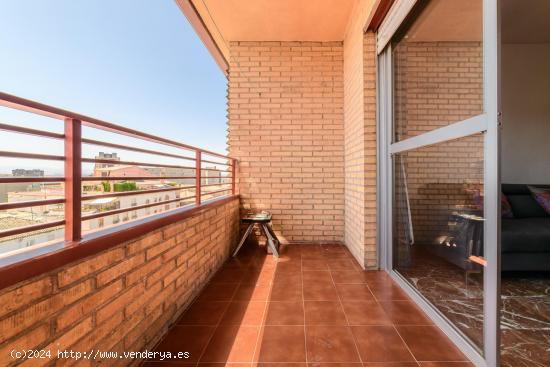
(525, 318)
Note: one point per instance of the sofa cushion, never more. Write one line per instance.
(542, 197)
(525, 206)
(526, 235)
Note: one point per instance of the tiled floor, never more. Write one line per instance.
(314, 307)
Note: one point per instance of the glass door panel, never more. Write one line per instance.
(438, 228)
(437, 170)
(437, 66)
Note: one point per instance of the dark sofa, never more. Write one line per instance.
(525, 239)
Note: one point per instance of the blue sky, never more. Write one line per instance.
(136, 63)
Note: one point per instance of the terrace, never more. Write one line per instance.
(367, 128)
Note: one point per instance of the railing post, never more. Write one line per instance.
(198, 174)
(233, 176)
(73, 179)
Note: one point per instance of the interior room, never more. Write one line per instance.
(525, 175)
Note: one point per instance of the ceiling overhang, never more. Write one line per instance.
(219, 22)
(207, 32)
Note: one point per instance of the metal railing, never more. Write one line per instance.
(202, 164)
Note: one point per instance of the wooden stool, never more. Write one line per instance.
(264, 221)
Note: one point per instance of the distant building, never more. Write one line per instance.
(20, 172)
(106, 156)
(121, 171)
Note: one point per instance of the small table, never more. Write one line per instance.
(263, 220)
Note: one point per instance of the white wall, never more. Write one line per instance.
(526, 113)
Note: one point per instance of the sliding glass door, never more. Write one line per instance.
(438, 164)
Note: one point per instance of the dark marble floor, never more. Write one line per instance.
(525, 319)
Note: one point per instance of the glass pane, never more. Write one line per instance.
(438, 228)
(438, 73)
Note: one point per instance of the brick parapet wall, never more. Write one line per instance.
(122, 299)
(286, 128)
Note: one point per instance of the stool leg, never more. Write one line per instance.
(270, 240)
(245, 236)
(273, 235)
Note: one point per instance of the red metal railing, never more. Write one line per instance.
(193, 160)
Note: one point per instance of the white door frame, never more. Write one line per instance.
(487, 123)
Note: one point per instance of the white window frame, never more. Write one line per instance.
(486, 123)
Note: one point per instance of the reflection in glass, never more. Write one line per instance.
(438, 228)
(438, 69)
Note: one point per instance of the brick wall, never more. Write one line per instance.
(286, 128)
(360, 138)
(437, 84)
(122, 299)
(369, 94)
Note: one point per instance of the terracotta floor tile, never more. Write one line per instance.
(229, 274)
(316, 276)
(374, 276)
(289, 262)
(288, 281)
(281, 344)
(381, 344)
(168, 364)
(324, 313)
(348, 277)
(330, 344)
(237, 262)
(192, 339)
(354, 292)
(333, 247)
(253, 313)
(218, 292)
(252, 292)
(253, 277)
(446, 364)
(285, 313)
(405, 313)
(387, 291)
(203, 313)
(319, 291)
(309, 248)
(348, 364)
(342, 264)
(365, 313)
(428, 343)
(274, 364)
(244, 313)
(231, 343)
(313, 255)
(314, 264)
(391, 364)
(224, 364)
(291, 292)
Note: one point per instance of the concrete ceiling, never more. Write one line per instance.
(278, 20)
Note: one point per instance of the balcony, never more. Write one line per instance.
(164, 281)
(313, 307)
(367, 128)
